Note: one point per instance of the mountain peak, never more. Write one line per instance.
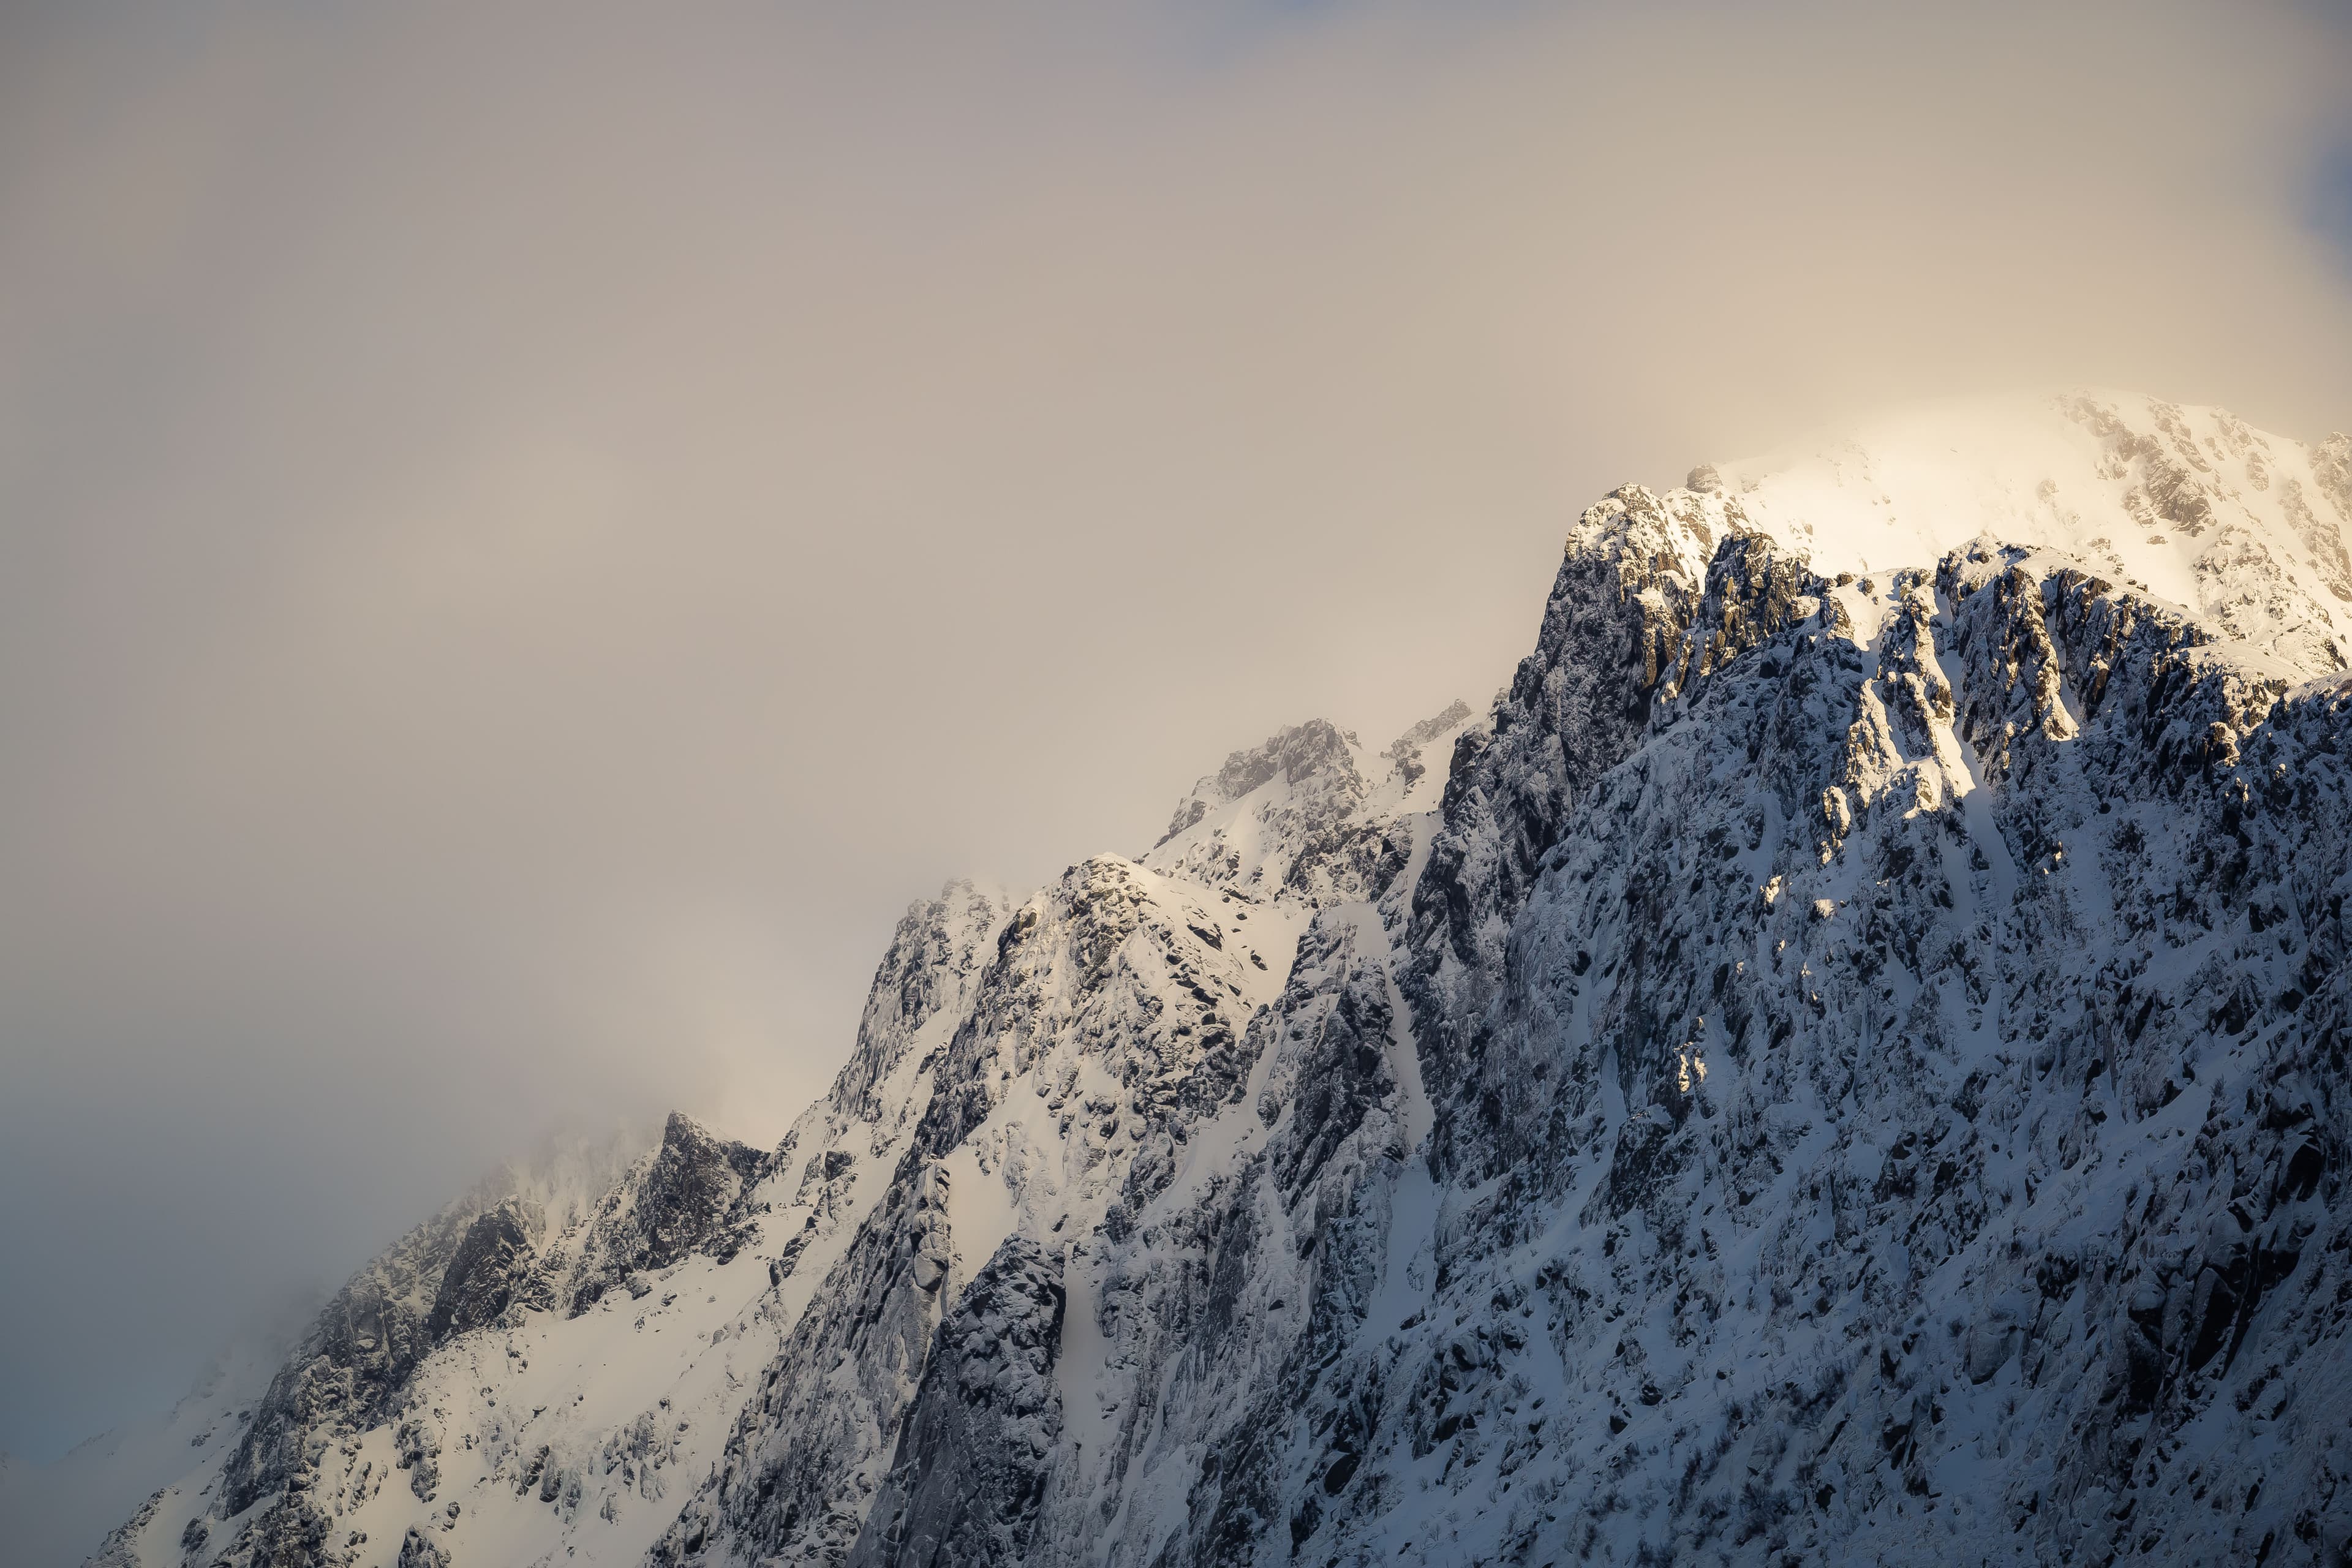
(1305, 816)
(2189, 505)
(1296, 754)
(1844, 1061)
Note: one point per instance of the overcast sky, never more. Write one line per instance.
(528, 536)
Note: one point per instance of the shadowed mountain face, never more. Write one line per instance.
(1845, 1060)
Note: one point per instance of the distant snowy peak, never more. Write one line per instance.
(2187, 505)
(1303, 818)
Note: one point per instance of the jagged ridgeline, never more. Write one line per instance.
(1843, 1062)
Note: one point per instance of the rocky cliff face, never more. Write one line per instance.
(975, 1448)
(529, 1240)
(1845, 1061)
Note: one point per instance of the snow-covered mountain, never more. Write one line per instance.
(1845, 1060)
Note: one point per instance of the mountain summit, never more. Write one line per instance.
(1843, 1062)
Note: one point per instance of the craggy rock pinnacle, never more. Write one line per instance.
(483, 1276)
(1616, 622)
(931, 956)
(418, 1550)
(679, 1206)
(1297, 818)
(1308, 752)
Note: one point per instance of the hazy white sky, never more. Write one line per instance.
(528, 534)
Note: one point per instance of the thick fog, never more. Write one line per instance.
(528, 535)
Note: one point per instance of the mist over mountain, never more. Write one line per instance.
(1842, 1058)
(528, 534)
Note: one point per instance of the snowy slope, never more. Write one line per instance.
(2189, 506)
(1845, 1061)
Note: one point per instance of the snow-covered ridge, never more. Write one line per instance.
(1302, 818)
(1845, 1061)
(2187, 505)
(499, 1357)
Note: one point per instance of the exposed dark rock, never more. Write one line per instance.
(418, 1550)
(683, 1203)
(977, 1445)
(481, 1279)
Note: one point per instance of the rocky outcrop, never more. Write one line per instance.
(807, 1451)
(935, 953)
(976, 1446)
(1616, 623)
(1106, 1027)
(120, 1547)
(1116, 969)
(1314, 751)
(1285, 820)
(490, 1263)
(349, 1366)
(418, 1550)
(461, 1272)
(2326, 524)
(1406, 753)
(683, 1203)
